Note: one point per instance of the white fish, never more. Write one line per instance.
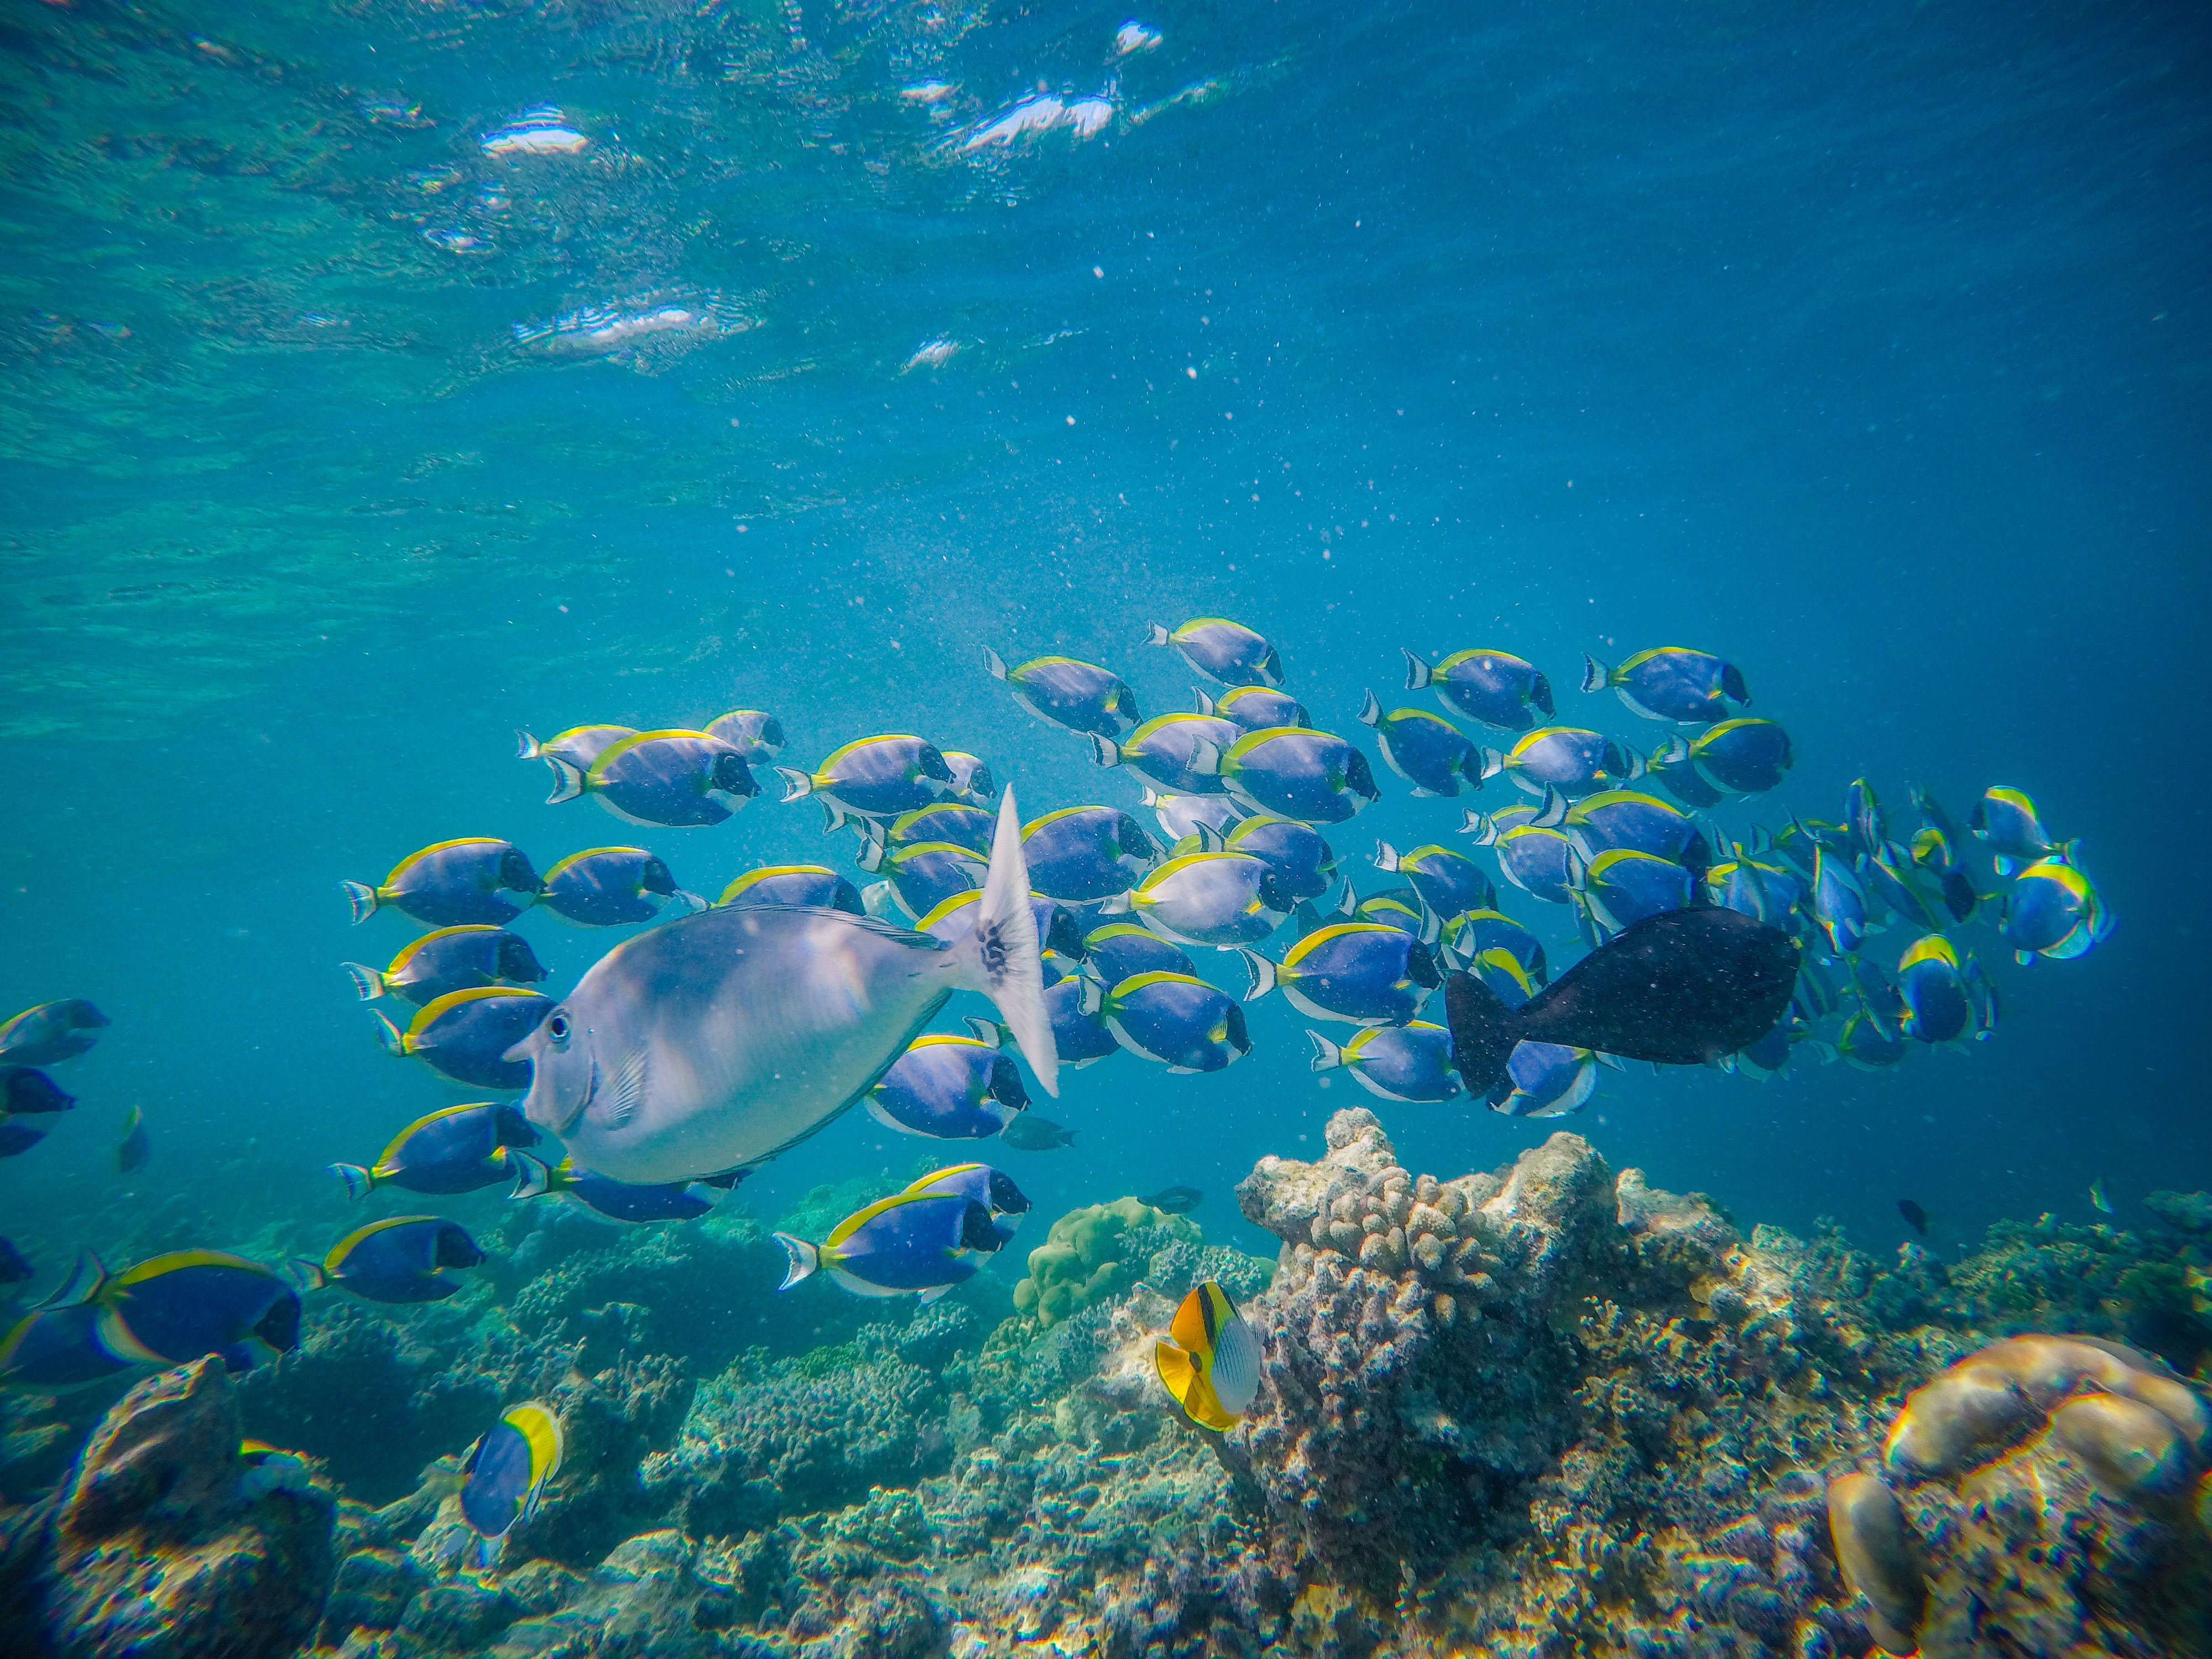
(712, 1043)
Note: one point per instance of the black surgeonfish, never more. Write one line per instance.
(1682, 988)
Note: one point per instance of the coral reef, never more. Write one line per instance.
(157, 1545)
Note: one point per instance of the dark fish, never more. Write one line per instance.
(1915, 1217)
(1174, 1201)
(27, 1089)
(1681, 988)
(51, 1031)
(14, 1268)
(135, 1146)
(1030, 1134)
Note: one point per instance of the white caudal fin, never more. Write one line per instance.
(1417, 673)
(367, 983)
(363, 899)
(1386, 856)
(805, 1260)
(1479, 825)
(1553, 812)
(1156, 634)
(1104, 750)
(1595, 674)
(533, 1177)
(526, 747)
(1205, 702)
(1370, 712)
(568, 779)
(83, 1283)
(995, 663)
(796, 784)
(1263, 972)
(1326, 1056)
(1000, 957)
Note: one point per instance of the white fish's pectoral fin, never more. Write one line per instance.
(1001, 958)
(621, 1102)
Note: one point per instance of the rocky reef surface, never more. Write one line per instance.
(1544, 1410)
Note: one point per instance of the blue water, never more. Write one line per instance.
(1867, 345)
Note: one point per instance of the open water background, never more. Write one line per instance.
(1866, 345)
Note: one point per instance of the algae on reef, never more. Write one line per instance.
(1547, 1409)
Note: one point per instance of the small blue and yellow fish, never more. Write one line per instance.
(56, 1347)
(1313, 777)
(1122, 950)
(612, 887)
(1223, 650)
(505, 1474)
(1254, 708)
(878, 777)
(972, 781)
(1079, 1037)
(1450, 883)
(2005, 820)
(1773, 892)
(632, 1204)
(994, 1191)
(1474, 932)
(805, 885)
(1082, 854)
(1534, 857)
(1411, 1062)
(1938, 990)
(578, 746)
(1078, 696)
(1621, 886)
(1182, 816)
(2054, 911)
(1546, 1079)
(667, 778)
(1209, 1362)
(1862, 818)
(1739, 756)
(24, 1090)
(755, 733)
(919, 1244)
(451, 959)
(465, 1035)
(951, 1088)
(1359, 972)
(1672, 683)
(1671, 767)
(135, 1149)
(452, 883)
(1178, 1021)
(1495, 689)
(402, 1259)
(1839, 903)
(922, 875)
(457, 1149)
(51, 1032)
(1303, 861)
(1770, 1056)
(1866, 1043)
(1644, 823)
(1570, 759)
(2099, 1198)
(955, 821)
(1398, 907)
(1426, 749)
(1221, 899)
(181, 1307)
(1166, 749)
(1893, 879)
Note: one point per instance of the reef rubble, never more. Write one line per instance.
(1547, 1409)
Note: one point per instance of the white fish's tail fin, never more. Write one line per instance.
(689, 902)
(1121, 904)
(1000, 957)
(1637, 766)
(1492, 765)
(1347, 902)
(1156, 634)
(872, 855)
(878, 899)
(388, 1036)
(1205, 759)
(1152, 797)
(525, 747)
(797, 785)
(1479, 825)
(931, 1295)
(2003, 866)
(1209, 838)
(1553, 812)
(1104, 750)
(1595, 674)
(1326, 1056)
(989, 1031)
(805, 1260)
(367, 983)
(1205, 702)
(1370, 712)
(1386, 856)
(994, 664)
(359, 1182)
(1090, 997)
(568, 779)
(1418, 674)
(363, 900)
(1263, 972)
(533, 1177)
(834, 817)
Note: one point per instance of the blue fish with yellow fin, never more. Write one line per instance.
(919, 1244)
(951, 1088)
(465, 1035)
(632, 1204)
(1254, 707)
(1175, 1020)
(1075, 696)
(2054, 911)
(805, 885)
(451, 959)
(993, 1190)
(1222, 650)
(1493, 688)
(1672, 683)
(452, 883)
(402, 1259)
(1533, 855)
(457, 1149)
(755, 733)
(667, 778)
(1408, 1062)
(1360, 971)
(1426, 749)
(1289, 772)
(2006, 821)
(51, 1032)
(1166, 749)
(879, 777)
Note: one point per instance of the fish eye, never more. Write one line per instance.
(557, 1029)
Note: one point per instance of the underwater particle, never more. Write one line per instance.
(50, 1032)
(452, 883)
(878, 777)
(666, 778)
(450, 959)
(1672, 683)
(1493, 688)
(505, 1474)
(1222, 650)
(1875, 1549)
(809, 1005)
(1681, 988)
(933, 353)
(910, 1243)
(1210, 1361)
(136, 1146)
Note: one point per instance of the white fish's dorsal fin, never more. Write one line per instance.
(630, 1081)
(1205, 702)
(1370, 712)
(1001, 958)
(1417, 673)
(1328, 1056)
(1386, 857)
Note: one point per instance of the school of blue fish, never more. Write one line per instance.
(726, 1031)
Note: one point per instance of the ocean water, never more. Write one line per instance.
(1866, 345)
